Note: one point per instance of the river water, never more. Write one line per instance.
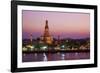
(35, 57)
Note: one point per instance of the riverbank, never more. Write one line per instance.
(55, 51)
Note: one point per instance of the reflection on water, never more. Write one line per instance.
(34, 57)
(44, 57)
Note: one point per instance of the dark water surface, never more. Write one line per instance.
(34, 57)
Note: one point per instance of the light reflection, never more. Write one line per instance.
(54, 56)
(62, 56)
(35, 54)
(44, 57)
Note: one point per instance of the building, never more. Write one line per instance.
(46, 38)
(31, 38)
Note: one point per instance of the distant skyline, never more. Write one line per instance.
(65, 24)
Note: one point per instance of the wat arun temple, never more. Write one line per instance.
(46, 38)
(47, 42)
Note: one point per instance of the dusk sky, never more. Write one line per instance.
(66, 25)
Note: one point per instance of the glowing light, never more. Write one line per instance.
(62, 46)
(44, 47)
(29, 46)
(24, 49)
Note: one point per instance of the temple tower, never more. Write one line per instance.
(31, 39)
(47, 37)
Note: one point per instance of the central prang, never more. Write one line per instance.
(46, 38)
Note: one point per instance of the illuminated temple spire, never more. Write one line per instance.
(46, 31)
(46, 26)
(47, 37)
(31, 38)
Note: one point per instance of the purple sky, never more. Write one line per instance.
(67, 25)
